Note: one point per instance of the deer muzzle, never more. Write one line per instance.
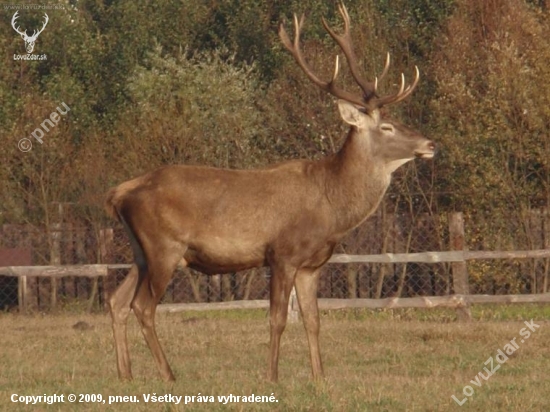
(427, 151)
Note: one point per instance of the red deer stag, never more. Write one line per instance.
(287, 216)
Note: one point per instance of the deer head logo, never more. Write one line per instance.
(29, 40)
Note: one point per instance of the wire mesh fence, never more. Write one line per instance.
(69, 243)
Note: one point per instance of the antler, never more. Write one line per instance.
(370, 98)
(17, 29)
(294, 49)
(24, 33)
(43, 26)
(346, 44)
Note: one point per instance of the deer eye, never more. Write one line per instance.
(386, 127)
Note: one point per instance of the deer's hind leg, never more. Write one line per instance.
(119, 306)
(161, 265)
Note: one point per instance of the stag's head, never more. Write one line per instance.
(389, 140)
(29, 40)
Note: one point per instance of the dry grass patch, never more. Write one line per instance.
(374, 360)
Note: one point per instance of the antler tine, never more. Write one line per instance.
(384, 72)
(369, 100)
(401, 94)
(294, 49)
(415, 82)
(346, 44)
(402, 88)
(386, 66)
(336, 69)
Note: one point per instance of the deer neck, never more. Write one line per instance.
(356, 182)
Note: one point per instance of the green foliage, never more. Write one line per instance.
(415, 23)
(196, 109)
(153, 83)
(491, 108)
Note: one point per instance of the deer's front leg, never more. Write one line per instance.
(282, 279)
(307, 281)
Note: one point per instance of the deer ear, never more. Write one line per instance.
(350, 113)
(354, 116)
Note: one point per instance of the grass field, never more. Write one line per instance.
(391, 360)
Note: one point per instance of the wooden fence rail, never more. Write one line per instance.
(459, 301)
(425, 257)
(451, 301)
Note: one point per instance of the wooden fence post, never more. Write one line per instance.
(55, 259)
(106, 245)
(22, 293)
(82, 284)
(68, 286)
(14, 257)
(459, 269)
(545, 245)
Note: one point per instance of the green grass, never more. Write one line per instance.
(386, 360)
